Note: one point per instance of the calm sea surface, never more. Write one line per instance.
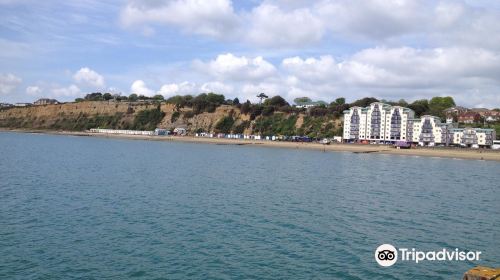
(91, 208)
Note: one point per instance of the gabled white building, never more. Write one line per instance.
(429, 131)
(383, 123)
(379, 122)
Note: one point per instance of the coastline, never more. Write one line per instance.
(453, 153)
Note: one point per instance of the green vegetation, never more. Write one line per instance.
(205, 102)
(73, 123)
(175, 116)
(224, 125)
(240, 128)
(98, 96)
(148, 119)
(277, 124)
(300, 100)
(319, 127)
(434, 107)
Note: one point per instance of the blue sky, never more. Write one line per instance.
(324, 49)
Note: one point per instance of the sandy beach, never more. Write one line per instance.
(442, 152)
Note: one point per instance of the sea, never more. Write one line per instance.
(100, 208)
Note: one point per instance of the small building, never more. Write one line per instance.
(180, 131)
(469, 117)
(45, 101)
(22, 104)
(161, 132)
(337, 139)
(492, 116)
(6, 105)
(308, 105)
(456, 110)
(480, 111)
(452, 113)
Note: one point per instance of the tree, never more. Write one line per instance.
(236, 101)
(402, 103)
(245, 108)
(158, 97)
(421, 107)
(133, 97)
(364, 102)
(107, 96)
(262, 96)
(438, 104)
(216, 99)
(277, 101)
(95, 96)
(340, 101)
(300, 100)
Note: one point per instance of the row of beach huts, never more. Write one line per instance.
(183, 132)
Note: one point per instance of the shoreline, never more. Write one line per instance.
(453, 153)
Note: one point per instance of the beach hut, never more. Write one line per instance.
(180, 131)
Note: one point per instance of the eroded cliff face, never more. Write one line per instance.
(110, 114)
(146, 116)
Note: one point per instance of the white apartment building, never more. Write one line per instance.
(383, 123)
(473, 137)
(429, 131)
(379, 122)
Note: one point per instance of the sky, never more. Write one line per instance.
(325, 49)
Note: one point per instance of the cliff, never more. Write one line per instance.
(149, 115)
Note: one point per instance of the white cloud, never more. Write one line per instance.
(296, 23)
(217, 87)
(315, 69)
(382, 72)
(139, 87)
(70, 91)
(8, 83)
(231, 67)
(181, 88)
(88, 77)
(271, 26)
(33, 90)
(213, 18)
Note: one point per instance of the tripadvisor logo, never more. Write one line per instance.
(387, 255)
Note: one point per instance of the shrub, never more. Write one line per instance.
(225, 124)
(175, 116)
(148, 119)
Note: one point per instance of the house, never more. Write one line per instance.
(492, 116)
(469, 117)
(307, 105)
(6, 105)
(453, 112)
(45, 101)
(22, 104)
(456, 110)
(487, 114)
(481, 111)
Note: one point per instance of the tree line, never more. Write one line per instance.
(208, 102)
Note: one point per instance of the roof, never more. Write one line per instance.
(455, 108)
(480, 110)
(468, 114)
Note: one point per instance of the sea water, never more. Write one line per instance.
(96, 208)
